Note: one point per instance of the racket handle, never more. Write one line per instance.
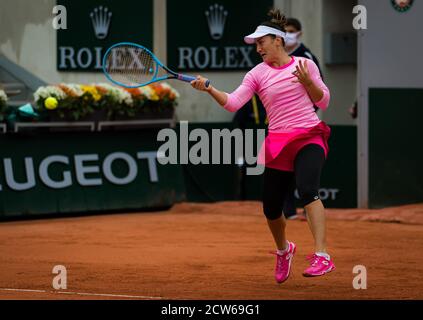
(186, 78)
(190, 78)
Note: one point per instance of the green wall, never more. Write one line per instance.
(99, 185)
(161, 188)
(395, 146)
(338, 186)
(206, 183)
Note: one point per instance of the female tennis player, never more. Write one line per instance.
(296, 146)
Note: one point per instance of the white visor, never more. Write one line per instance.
(261, 31)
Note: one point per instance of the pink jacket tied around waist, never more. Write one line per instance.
(290, 110)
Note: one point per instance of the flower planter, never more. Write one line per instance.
(95, 117)
(146, 118)
(148, 114)
(151, 106)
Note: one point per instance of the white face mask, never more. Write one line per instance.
(291, 39)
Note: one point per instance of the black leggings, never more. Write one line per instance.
(278, 184)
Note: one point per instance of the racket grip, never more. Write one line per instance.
(190, 78)
(186, 78)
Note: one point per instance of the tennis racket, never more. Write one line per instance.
(131, 65)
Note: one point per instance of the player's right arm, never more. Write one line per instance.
(220, 96)
(231, 102)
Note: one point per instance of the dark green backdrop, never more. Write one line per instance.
(187, 26)
(395, 146)
(198, 183)
(130, 21)
(141, 193)
(207, 183)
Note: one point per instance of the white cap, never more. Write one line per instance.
(261, 31)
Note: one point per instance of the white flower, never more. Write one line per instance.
(118, 94)
(49, 91)
(3, 100)
(3, 96)
(176, 93)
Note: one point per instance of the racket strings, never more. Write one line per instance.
(130, 65)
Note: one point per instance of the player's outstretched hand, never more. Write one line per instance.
(200, 84)
(302, 74)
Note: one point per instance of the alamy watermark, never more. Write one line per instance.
(60, 282)
(360, 20)
(224, 146)
(61, 18)
(360, 280)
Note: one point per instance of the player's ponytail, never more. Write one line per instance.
(277, 20)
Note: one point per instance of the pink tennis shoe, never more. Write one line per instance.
(284, 262)
(318, 266)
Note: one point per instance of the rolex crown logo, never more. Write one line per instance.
(100, 18)
(216, 18)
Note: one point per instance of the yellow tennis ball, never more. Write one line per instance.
(51, 103)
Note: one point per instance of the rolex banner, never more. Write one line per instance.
(93, 26)
(208, 35)
(60, 173)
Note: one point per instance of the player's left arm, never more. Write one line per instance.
(308, 75)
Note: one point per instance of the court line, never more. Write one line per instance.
(83, 293)
(21, 290)
(108, 295)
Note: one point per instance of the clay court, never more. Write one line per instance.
(209, 251)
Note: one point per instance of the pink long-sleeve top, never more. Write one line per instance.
(288, 105)
(289, 109)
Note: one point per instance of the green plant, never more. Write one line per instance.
(74, 101)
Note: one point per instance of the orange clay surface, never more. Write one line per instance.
(209, 251)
